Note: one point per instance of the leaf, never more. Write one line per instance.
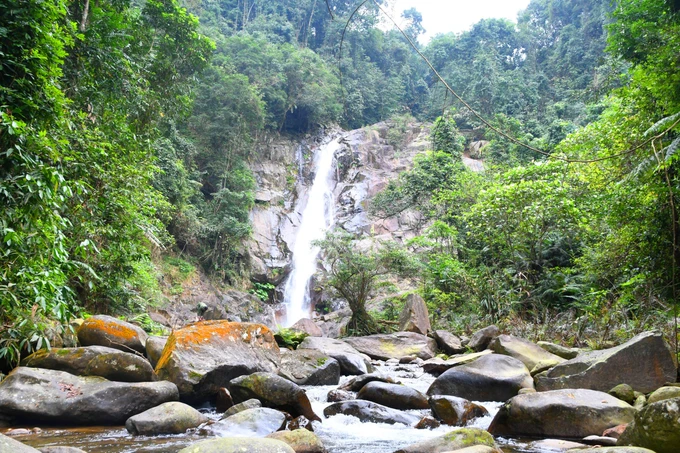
(672, 148)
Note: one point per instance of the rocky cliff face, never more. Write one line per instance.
(369, 159)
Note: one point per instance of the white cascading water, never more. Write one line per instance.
(317, 218)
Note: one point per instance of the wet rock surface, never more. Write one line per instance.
(367, 411)
(273, 391)
(455, 411)
(256, 422)
(393, 395)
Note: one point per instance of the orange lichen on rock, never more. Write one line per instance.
(111, 328)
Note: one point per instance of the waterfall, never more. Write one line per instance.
(317, 217)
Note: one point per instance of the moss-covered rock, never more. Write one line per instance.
(238, 445)
(273, 391)
(656, 427)
(300, 440)
(453, 441)
(395, 345)
(530, 354)
(663, 393)
(168, 418)
(109, 363)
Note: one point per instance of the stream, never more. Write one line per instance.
(339, 433)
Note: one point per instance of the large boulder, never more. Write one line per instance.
(393, 395)
(414, 316)
(368, 411)
(453, 441)
(36, 394)
(256, 422)
(492, 377)
(570, 413)
(9, 445)
(102, 330)
(528, 353)
(309, 367)
(205, 356)
(448, 342)
(664, 393)
(168, 418)
(351, 361)
(301, 440)
(238, 445)
(273, 391)
(645, 363)
(656, 427)
(395, 345)
(109, 363)
(481, 339)
(455, 411)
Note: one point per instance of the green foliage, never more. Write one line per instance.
(445, 136)
(289, 338)
(262, 290)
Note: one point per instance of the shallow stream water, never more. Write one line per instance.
(340, 433)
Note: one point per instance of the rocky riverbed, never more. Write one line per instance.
(377, 394)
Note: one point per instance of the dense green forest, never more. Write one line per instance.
(127, 127)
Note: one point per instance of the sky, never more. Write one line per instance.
(441, 16)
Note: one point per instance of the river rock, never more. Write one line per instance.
(428, 422)
(154, 349)
(256, 422)
(337, 395)
(168, 418)
(109, 363)
(238, 445)
(555, 445)
(357, 383)
(368, 411)
(493, 377)
(624, 392)
(36, 394)
(663, 393)
(481, 339)
(102, 330)
(544, 365)
(527, 352)
(453, 441)
(307, 326)
(273, 391)
(240, 407)
(615, 432)
(601, 441)
(351, 361)
(455, 411)
(656, 427)
(309, 367)
(414, 316)
(60, 450)
(300, 422)
(205, 356)
(644, 362)
(300, 440)
(616, 449)
(9, 445)
(395, 345)
(393, 395)
(571, 413)
(559, 350)
(437, 365)
(448, 342)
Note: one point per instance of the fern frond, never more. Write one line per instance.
(672, 148)
(663, 122)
